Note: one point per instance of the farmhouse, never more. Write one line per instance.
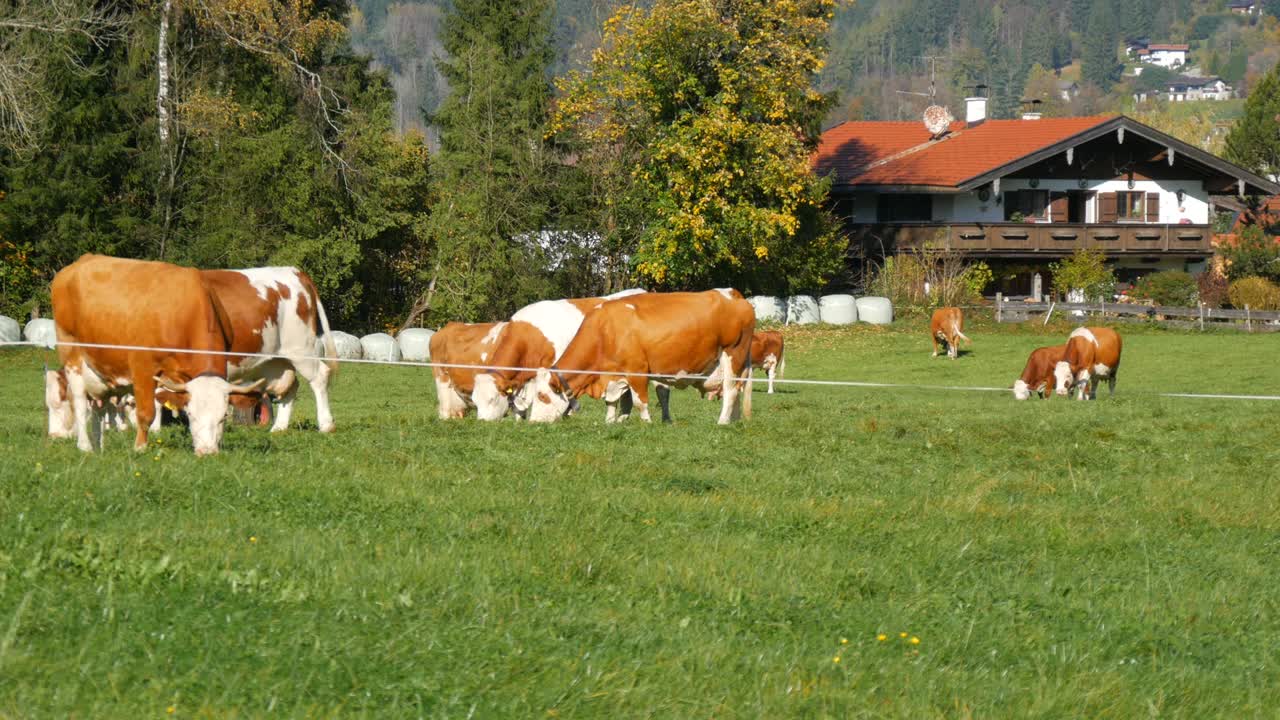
(1243, 7)
(1022, 193)
(1164, 54)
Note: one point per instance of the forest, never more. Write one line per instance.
(432, 161)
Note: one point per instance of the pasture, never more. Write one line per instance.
(849, 552)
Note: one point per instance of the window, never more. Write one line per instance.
(1129, 206)
(1029, 205)
(904, 207)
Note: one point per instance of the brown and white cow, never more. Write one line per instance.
(1092, 353)
(947, 326)
(535, 337)
(766, 354)
(1037, 376)
(99, 300)
(679, 337)
(463, 344)
(271, 311)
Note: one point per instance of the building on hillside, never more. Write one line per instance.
(1189, 88)
(1165, 55)
(1068, 90)
(1243, 7)
(1020, 194)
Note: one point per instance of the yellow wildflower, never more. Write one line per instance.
(882, 637)
(915, 640)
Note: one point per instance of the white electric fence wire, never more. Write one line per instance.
(656, 376)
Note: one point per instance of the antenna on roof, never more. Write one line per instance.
(937, 118)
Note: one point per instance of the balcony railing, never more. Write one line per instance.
(1039, 238)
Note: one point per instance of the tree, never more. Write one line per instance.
(1100, 67)
(1042, 85)
(1253, 253)
(703, 115)
(493, 162)
(1254, 140)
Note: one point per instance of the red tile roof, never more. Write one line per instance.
(901, 153)
(1169, 47)
(1268, 215)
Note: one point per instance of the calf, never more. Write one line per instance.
(1037, 376)
(766, 353)
(678, 337)
(1092, 354)
(947, 325)
(465, 344)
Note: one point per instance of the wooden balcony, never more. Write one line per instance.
(1038, 239)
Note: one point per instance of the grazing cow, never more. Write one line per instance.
(535, 337)
(271, 311)
(947, 325)
(464, 344)
(1092, 354)
(1037, 376)
(99, 300)
(671, 335)
(766, 349)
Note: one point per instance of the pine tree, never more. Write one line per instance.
(1100, 67)
(1254, 141)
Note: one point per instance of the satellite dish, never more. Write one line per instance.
(937, 120)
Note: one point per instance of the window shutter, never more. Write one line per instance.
(1153, 207)
(1108, 212)
(1058, 208)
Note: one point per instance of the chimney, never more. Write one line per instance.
(975, 106)
(1031, 109)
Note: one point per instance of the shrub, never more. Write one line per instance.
(1254, 254)
(1172, 288)
(1256, 292)
(1212, 286)
(951, 280)
(1085, 270)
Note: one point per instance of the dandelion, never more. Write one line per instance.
(882, 637)
(902, 634)
(171, 709)
(253, 538)
(836, 659)
(137, 474)
(915, 640)
(844, 641)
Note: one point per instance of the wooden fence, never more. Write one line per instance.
(1013, 310)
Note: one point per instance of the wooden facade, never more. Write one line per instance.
(1049, 240)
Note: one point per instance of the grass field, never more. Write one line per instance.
(846, 553)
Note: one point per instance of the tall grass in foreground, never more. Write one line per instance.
(1043, 559)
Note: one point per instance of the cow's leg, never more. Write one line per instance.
(773, 369)
(144, 395)
(1111, 383)
(155, 421)
(729, 386)
(1082, 385)
(664, 400)
(317, 374)
(640, 393)
(285, 409)
(953, 348)
(934, 338)
(88, 428)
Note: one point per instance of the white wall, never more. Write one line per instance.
(966, 207)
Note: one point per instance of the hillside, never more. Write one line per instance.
(884, 50)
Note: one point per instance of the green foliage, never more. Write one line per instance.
(19, 278)
(1253, 253)
(1254, 140)
(1084, 270)
(1212, 288)
(1101, 39)
(951, 279)
(1168, 288)
(1257, 293)
(704, 117)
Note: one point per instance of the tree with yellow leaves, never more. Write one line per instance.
(697, 119)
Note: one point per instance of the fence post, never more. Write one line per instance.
(1201, 316)
(999, 302)
(1248, 319)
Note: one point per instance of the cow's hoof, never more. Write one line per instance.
(331, 427)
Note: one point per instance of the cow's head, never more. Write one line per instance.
(207, 400)
(1063, 379)
(490, 401)
(543, 399)
(61, 417)
(1021, 390)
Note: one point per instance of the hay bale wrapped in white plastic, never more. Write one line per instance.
(347, 345)
(415, 344)
(875, 310)
(40, 331)
(802, 310)
(380, 346)
(10, 330)
(838, 309)
(768, 308)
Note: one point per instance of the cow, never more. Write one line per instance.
(272, 311)
(947, 325)
(172, 311)
(1092, 353)
(533, 338)
(679, 337)
(464, 344)
(766, 349)
(1037, 376)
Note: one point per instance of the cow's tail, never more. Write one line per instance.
(330, 348)
(956, 326)
(782, 367)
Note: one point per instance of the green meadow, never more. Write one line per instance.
(846, 553)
